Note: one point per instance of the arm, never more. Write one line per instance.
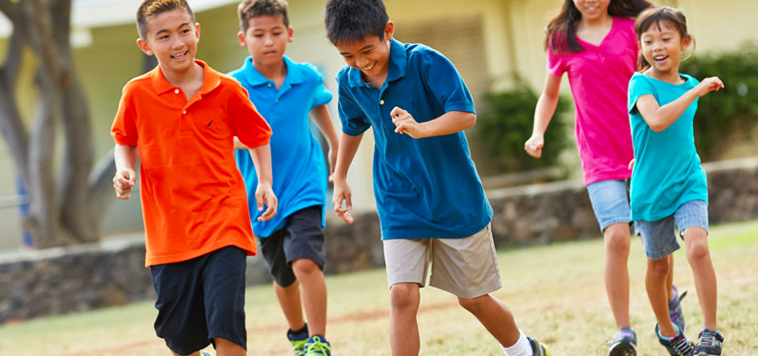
(543, 114)
(661, 117)
(125, 158)
(261, 156)
(324, 122)
(348, 147)
(450, 122)
(238, 145)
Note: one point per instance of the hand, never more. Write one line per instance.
(534, 144)
(631, 164)
(331, 163)
(265, 194)
(123, 182)
(406, 124)
(708, 85)
(342, 193)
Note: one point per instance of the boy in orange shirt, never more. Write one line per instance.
(180, 119)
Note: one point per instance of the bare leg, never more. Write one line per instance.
(494, 316)
(657, 292)
(314, 294)
(404, 337)
(228, 348)
(670, 277)
(617, 244)
(699, 257)
(289, 300)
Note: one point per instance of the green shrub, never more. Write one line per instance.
(732, 109)
(506, 123)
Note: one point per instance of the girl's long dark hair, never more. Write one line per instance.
(561, 30)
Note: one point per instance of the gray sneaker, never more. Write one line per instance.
(675, 310)
(709, 343)
(624, 343)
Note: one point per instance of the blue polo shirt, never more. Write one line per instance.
(667, 171)
(424, 188)
(297, 160)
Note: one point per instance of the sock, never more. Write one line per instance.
(520, 348)
(298, 334)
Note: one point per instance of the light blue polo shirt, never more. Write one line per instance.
(297, 160)
(667, 171)
(424, 188)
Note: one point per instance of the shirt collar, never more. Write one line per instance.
(396, 70)
(211, 79)
(253, 77)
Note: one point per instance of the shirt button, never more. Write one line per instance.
(269, 85)
(381, 102)
(277, 100)
(176, 91)
(184, 112)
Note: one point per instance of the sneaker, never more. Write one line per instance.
(678, 346)
(675, 310)
(537, 348)
(318, 346)
(709, 343)
(624, 343)
(205, 353)
(298, 340)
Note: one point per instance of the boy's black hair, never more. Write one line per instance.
(349, 21)
(249, 9)
(151, 8)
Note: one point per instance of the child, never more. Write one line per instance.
(429, 197)
(180, 120)
(594, 42)
(668, 185)
(292, 242)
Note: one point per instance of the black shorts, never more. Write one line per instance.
(302, 237)
(201, 299)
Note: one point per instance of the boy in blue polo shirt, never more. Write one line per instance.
(285, 93)
(430, 201)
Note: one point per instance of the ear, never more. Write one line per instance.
(686, 41)
(241, 39)
(197, 30)
(143, 45)
(290, 33)
(389, 30)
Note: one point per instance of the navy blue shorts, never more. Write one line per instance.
(302, 237)
(201, 299)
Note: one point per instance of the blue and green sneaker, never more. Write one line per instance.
(317, 346)
(298, 340)
(538, 349)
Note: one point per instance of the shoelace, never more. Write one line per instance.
(318, 346)
(710, 338)
(682, 346)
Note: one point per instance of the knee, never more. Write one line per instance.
(305, 267)
(617, 240)
(697, 250)
(404, 296)
(659, 268)
(473, 305)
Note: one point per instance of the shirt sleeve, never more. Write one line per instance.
(245, 121)
(124, 128)
(444, 81)
(321, 95)
(354, 120)
(556, 63)
(638, 86)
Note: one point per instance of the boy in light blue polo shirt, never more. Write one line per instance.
(430, 201)
(285, 93)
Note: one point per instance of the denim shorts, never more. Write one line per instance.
(610, 201)
(659, 236)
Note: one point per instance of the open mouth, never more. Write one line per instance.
(660, 58)
(180, 56)
(369, 68)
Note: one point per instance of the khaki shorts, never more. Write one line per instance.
(465, 267)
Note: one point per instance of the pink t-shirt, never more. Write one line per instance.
(599, 78)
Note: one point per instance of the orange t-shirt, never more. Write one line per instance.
(193, 196)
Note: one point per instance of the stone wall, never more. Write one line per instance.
(77, 278)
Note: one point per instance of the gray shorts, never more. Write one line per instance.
(659, 236)
(465, 267)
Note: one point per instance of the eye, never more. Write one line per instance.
(347, 56)
(163, 37)
(257, 35)
(647, 42)
(367, 52)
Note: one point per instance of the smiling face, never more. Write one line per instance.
(662, 46)
(371, 55)
(592, 9)
(172, 38)
(266, 39)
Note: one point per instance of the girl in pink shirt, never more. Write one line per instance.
(594, 42)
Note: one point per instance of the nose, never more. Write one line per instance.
(362, 62)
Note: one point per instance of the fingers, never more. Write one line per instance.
(271, 203)
(123, 182)
(533, 148)
(342, 211)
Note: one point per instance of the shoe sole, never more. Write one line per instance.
(706, 354)
(622, 349)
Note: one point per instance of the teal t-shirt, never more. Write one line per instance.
(667, 171)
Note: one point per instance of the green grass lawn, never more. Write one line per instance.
(556, 293)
